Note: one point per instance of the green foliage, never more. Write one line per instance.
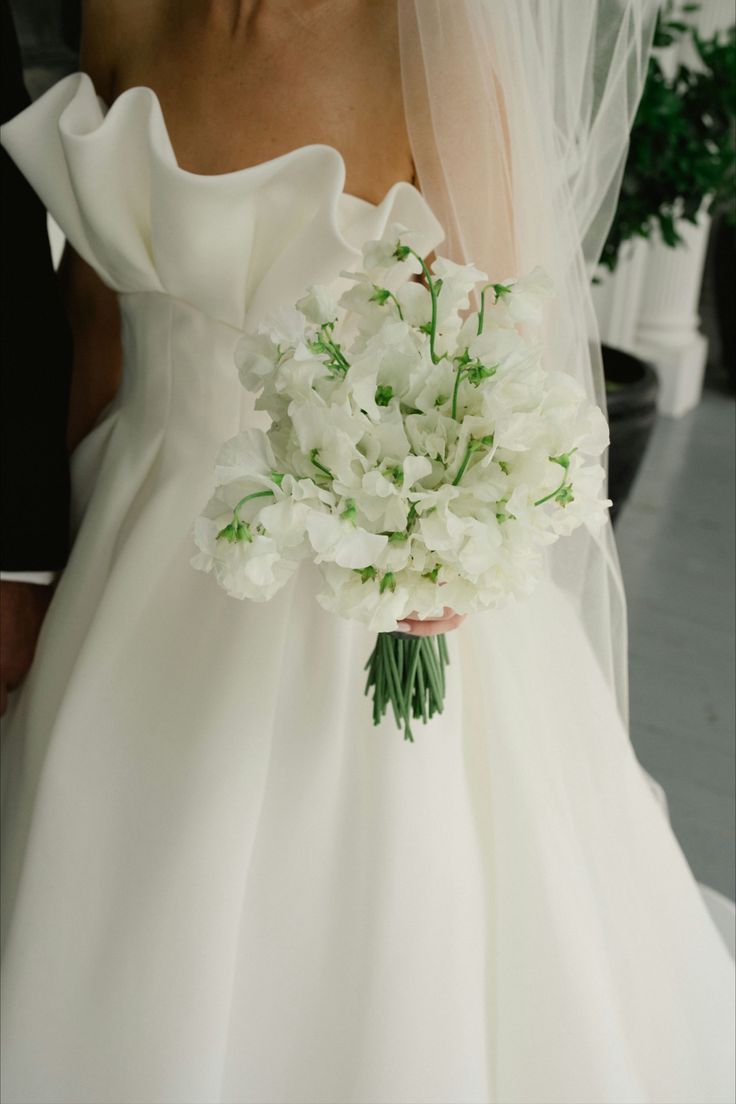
(682, 153)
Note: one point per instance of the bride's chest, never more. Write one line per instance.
(233, 102)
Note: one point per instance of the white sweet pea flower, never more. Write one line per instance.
(383, 497)
(381, 254)
(285, 327)
(571, 420)
(441, 529)
(498, 345)
(361, 298)
(346, 463)
(386, 439)
(444, 532)
(432, 434)
(415, 302)
(381, 264)
(362, 385)
(360, 598)
(315, 423)
(586, 506)
(252, 569)
(338, 540)
(297, 375)
(479, 551)
(399, 357)
(458, 281)
(248, 455)
(306, 490)
(464, 596)
(387, 361)
(525, 302)
(318, 305)
(485, 481)
(520, 430)
(592, 434)
(433, 387)
(399, 554)
(256, 357)
(379, 502)
(414, 469)
(286, 523)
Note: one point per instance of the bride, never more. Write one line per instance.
(221, 883)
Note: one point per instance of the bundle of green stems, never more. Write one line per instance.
(407, 673)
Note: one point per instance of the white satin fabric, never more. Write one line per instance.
(221, 883)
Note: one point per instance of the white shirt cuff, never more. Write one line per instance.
(41, 578)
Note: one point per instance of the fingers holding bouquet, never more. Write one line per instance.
(413, 625)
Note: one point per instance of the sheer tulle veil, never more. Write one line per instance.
(519, 114)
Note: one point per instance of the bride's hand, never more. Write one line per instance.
(431, 626)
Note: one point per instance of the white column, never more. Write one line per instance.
(616, 296)
(650, 305)
(667, 331)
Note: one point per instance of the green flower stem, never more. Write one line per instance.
(407, 672)
(482, 311)
(380, 697)
(337, 355)
(437, 666)
(256, 494)
(455, 390)
(397, 698)
(499, 290)
(564, 462)
(444, 654)
(401, 659)
(421, 687)
(320, 467)
(410, 680)
(432, 670)
(396, 303)
(474, 444)
(466, 460)
(237, 530)
(332, 347)
(552, 494)
(433, 295)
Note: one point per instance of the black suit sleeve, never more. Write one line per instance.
(36, 362)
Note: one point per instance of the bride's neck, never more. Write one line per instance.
(237, 15)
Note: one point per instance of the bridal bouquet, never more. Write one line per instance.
(418, 452)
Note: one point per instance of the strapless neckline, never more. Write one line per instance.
(111, 180)
(234, 174)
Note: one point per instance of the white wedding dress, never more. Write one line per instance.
(222, 884)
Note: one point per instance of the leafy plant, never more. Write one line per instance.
(682, 154)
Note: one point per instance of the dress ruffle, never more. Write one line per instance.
(145, 224)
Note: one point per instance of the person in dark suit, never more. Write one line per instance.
(35, 383)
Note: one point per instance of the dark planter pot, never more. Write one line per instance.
(631, 393)
(724, 251)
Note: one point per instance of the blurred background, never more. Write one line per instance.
(665, 298)
(666, 306)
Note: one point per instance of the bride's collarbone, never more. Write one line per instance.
(230, 103)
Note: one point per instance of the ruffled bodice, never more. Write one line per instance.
(230, 244)
(195, 260)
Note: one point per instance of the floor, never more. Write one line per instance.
(676, 544)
